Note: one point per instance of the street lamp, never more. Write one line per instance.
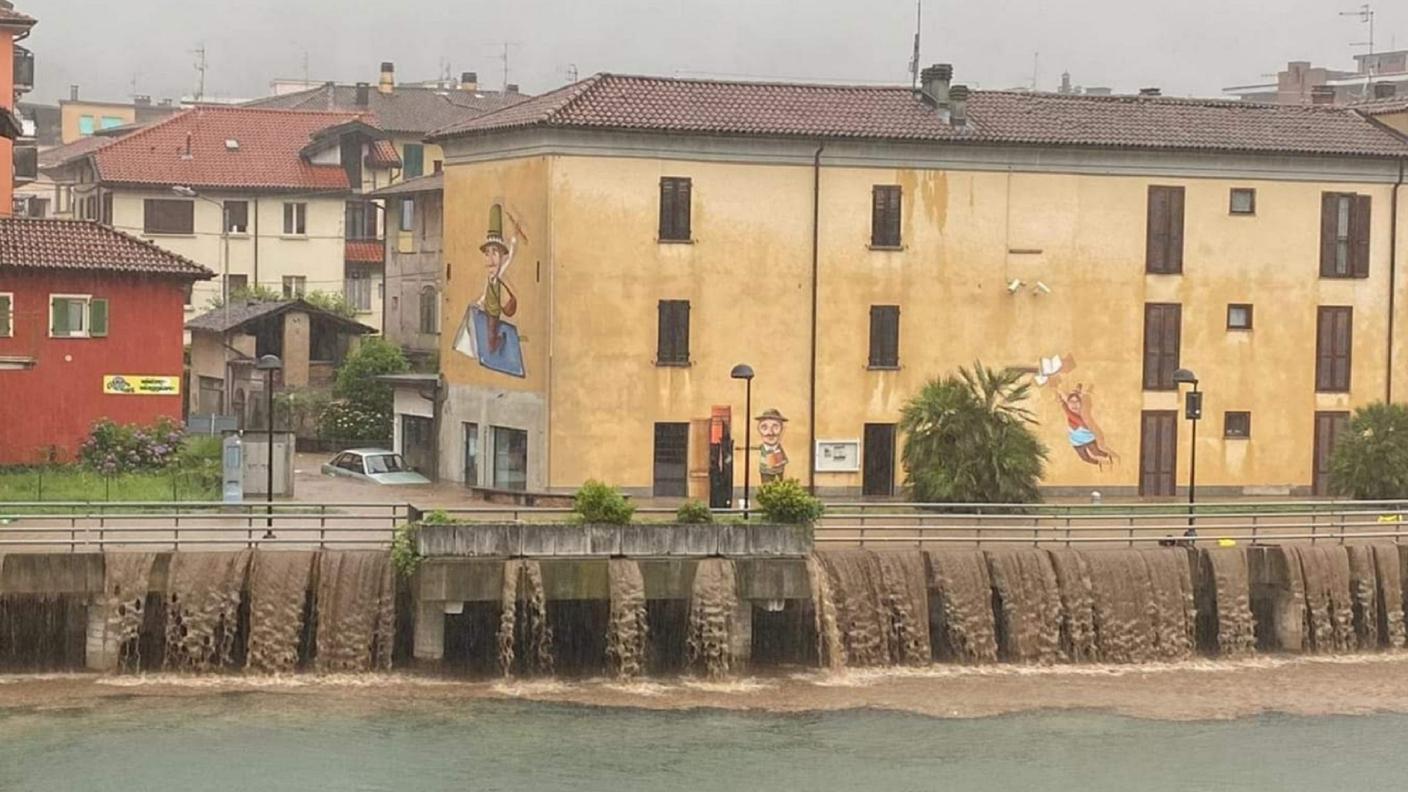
(744, 372)
(269, 364)
(189, 192)
(1192, 410)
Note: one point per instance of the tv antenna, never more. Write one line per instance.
(571, 72)
(1365, 15)
(201, 66)
(914, 59)
(505, 45)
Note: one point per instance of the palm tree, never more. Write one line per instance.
(1370, 459)
(968, 439)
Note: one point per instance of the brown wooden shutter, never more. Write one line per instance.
(1173, 257)
(1344, 337)
(1324, 342)
(663, 334)
(1359, 216)
(885, 215)
(1334, 345)
(1162, 339)
(1329, 228)
(1156, 232)
(682, 206)
(667, 209)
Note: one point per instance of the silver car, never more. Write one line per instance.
(373, 464)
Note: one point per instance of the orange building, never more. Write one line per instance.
(14, 26)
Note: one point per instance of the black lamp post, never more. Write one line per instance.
(744, 372)
(269, 364)
(1192, 410)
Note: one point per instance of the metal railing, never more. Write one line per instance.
(80, 525)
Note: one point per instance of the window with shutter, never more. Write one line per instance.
(1334, 340)
(885, 216)
(236, 217)
(98, 318)
(884, 336)
(674, 209)
(164, 216)
(1162, 339)
(672, 343)
(1344, 235)
(1359, 236)
(7, 325)
(1164, 234)
(429, 302)
(295, 219)
(412, 160)
(69, 318)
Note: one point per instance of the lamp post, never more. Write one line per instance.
(188, 192)
(744, 372)
(1192, 410)
(269, 364)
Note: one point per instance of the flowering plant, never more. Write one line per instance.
(113, 448)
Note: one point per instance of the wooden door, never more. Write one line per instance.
(1158, 453)
(1328, 425)
(878, 476)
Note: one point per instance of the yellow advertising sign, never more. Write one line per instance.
(141, 385)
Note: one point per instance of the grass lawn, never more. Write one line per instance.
(73, 484)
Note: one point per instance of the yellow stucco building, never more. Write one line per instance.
(614, 248)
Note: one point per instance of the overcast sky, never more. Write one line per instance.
(1187, 47)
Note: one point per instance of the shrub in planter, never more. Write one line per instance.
(788, 502)
(694, 512)
(602, 504)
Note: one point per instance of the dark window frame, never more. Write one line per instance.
(167, 216)
(1159, 360)
(1346, 221)
(1232, 201)
(1237, 424)
(1334, 348)
(295, 218)
(672, 336)
(886, 217)
(235, 216)
(1163, 235)
(676, 210)
(1245, 306)
(884, 338)
(670, 460)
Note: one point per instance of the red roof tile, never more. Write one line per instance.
(382, 154)
(9, 17)
(32, 243)
(659, 104)
(267, 155)
(408, 108)
(364, 251)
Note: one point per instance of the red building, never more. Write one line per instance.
(91, 326)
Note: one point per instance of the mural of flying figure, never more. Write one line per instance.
(484, 333)
(1077, 404)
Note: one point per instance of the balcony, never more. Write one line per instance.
(26, 162)
(24, 70)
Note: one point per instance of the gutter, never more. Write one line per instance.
(1392, 275)
(811, 400)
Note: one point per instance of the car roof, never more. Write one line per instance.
(368, 451)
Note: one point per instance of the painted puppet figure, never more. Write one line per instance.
(1084, 434)
(772, 459)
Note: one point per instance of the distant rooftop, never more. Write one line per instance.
(407, 108)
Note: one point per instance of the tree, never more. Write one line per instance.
(332, 302)
(360, 390)
(255, 293)
(1370, 459)
(968, 439)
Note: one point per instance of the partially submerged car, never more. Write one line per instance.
(373, 464)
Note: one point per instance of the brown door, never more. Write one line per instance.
(1328, 426)
(878, 476)
(1158, 452)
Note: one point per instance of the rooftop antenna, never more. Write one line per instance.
(1036, 68)
(307, 81)
(504, 57)
(199, 52)
(571, 72)
(1365, 15)
(914, 60)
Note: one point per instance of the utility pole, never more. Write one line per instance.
(199, 52)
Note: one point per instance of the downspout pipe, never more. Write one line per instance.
(1392, 276)
(816, 257)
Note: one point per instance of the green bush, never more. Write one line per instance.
(111, 448)
(332, 302)
(1370, 459)
(244, 294)
(346, 422)
(404, 554)
(693, 511)
(602, 504)
(788, 502)
(969, 439)
(200, 459)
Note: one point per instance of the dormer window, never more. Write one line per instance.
(231, 144)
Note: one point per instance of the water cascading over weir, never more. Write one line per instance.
(710, 601)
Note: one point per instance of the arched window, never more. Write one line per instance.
(429, 310)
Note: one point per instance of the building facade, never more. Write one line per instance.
(90, 327)
(18, 155)
(1379, 75)
(414, 266)
(615, 248)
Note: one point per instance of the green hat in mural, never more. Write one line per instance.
(496, 229)
(771, 414)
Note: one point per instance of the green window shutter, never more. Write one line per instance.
(98, 318)
(58, 316)
(413, 160)
(4, 315)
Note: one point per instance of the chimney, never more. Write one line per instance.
(934, 80)
(141, 100)
(1150, 92)
(469, 81)
(388, 77)
(364, 94)
(73, 93)
(1322, 95)
(1384, 90)
(958, 105)
(511, 88)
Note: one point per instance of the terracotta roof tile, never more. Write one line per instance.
(59, 156)
(659, 104)
(32, 243)
(383, 155)
(267, 156)
(364, 251)
(406, 109)
(9, 17)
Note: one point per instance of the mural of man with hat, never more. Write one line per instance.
(484, 333)
(772, 460)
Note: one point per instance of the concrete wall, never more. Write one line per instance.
(973, 221)
(414, 264)
(489, 407)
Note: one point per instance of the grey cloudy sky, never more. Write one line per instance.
(1184, 46)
